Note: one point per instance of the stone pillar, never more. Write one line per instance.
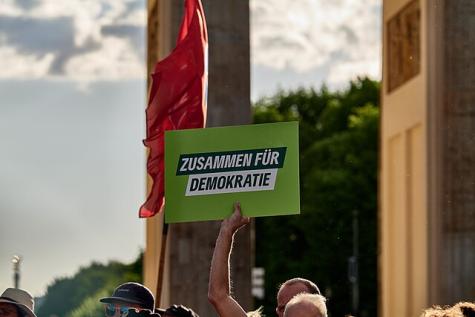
(191, 245)
(427, 182)
(456, 144)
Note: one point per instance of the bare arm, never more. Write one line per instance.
(219, 293)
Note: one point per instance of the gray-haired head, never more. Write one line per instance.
(306, 305)
(290, 288)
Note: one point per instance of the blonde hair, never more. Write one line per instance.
(462, 309)
(318, 301)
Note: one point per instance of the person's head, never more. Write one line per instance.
(15, 302)
(9, 310)
(462, 309)
(306, 305)
(126, 296)
(177, 311)
(292, 287)
(467, 309)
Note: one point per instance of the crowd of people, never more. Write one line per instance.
(219, 293)
(297, 297)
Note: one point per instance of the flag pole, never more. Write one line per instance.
(161, 265)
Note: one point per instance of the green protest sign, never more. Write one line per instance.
(206, 170)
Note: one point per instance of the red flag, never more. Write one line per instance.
(177, 97)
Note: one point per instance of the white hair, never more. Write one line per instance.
(255, 313)
(315, 300)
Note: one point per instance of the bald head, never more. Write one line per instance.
(312, 288)
(306, 305)
(290, 288)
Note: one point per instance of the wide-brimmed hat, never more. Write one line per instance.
(21, 299)
(132, 293)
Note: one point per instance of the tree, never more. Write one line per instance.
(78, 296)
(338, 176)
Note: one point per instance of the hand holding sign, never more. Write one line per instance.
(235, 221)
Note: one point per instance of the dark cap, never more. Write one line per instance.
(132, 293)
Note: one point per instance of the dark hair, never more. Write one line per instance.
(180, 311)
(311, 286)
(142, 313)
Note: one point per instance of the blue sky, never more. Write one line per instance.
(72, 99)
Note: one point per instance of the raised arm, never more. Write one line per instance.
(219, 293)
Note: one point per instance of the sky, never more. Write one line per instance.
(72, 99)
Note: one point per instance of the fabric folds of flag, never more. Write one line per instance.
(177, 98)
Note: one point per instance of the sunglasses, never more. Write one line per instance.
(112, 309)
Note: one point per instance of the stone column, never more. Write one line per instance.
(191, 245)
(427, 183)
(455, 142)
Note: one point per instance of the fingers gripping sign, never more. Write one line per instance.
(236, 220)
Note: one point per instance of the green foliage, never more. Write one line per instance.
(78, 296)
(338, 177)
(91, 307)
